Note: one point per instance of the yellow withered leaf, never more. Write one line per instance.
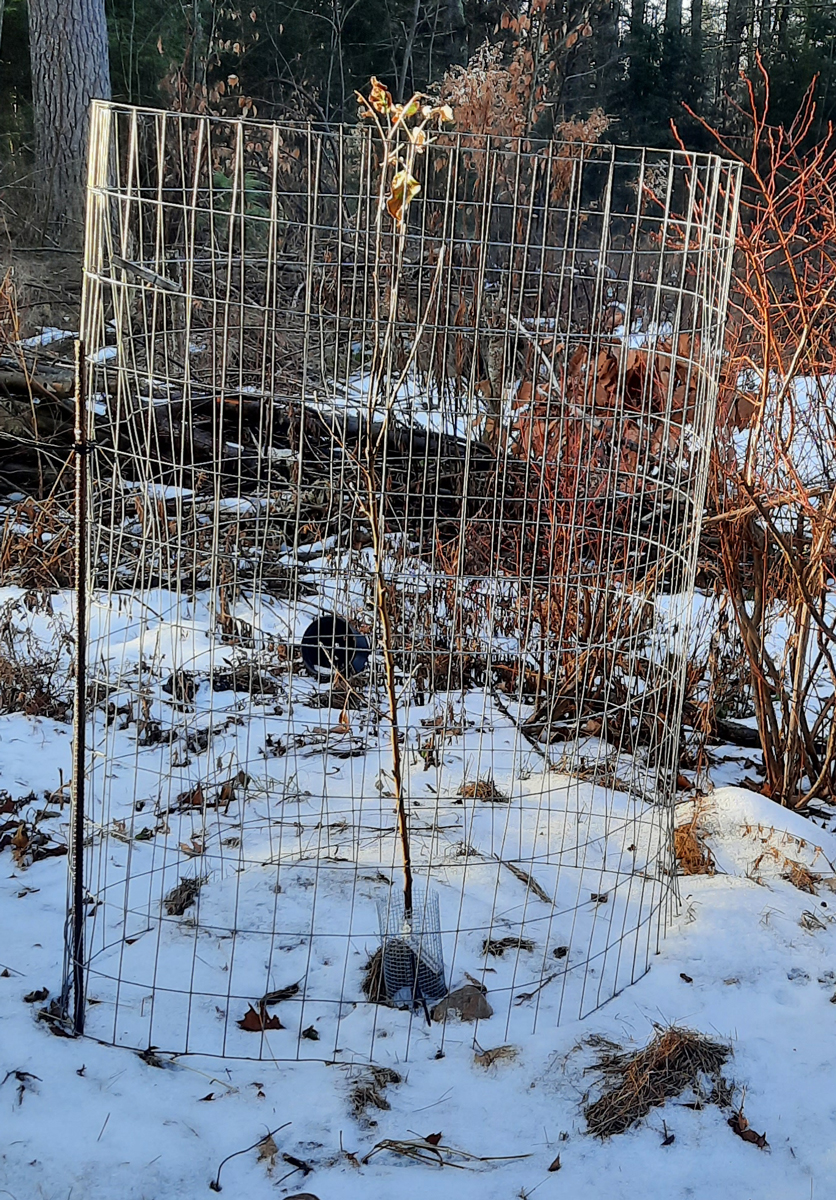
(380, 97)
(404, 189)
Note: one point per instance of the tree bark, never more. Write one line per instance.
(673, 17)
(407, 54)
(70, 67)
(638, 11)
(765, 25)
(735, 26)
(696, 23)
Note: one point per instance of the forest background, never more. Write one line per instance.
(637, 62)
(752, 79)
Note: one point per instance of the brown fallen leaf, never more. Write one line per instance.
(36, 997)
(433, 1138)
(685, 978)
(259, 1020)
(151, 1059)
(193, 850)
(740, 1126)
(41, 852)
(20, 843)
(267, 1151)
(193, 798)
(208, 1096)
(471, 979)
(555, 1166)
(487, 1058)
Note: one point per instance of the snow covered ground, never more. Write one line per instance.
(750, 959)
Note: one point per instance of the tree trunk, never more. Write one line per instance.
(407, 54)
(637, 16)
(673, 17)
(765, 25)
(68, 45)
(696, 24)
(733, 48)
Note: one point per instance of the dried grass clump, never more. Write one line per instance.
(183, 896)
(692, 854)
(483, 789)
(801, 877)
(496, 947)
(372, 984)
(488, 1058)
(674, 1061)
(368, 1091)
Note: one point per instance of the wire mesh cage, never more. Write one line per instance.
(391, 527)
(411, 952)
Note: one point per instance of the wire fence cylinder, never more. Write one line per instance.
(392, 535)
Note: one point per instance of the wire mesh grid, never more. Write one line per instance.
(392, 538)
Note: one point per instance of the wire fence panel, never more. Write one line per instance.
(392, 523)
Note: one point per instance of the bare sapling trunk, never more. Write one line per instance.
(403, 130)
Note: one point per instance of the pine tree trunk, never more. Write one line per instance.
(733, 49)
(69, 51)
(638, 11)
(673, 17)
(696, 23)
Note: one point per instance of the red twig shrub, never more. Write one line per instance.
(774, 469)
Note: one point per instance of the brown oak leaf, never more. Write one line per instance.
(258, 1020)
